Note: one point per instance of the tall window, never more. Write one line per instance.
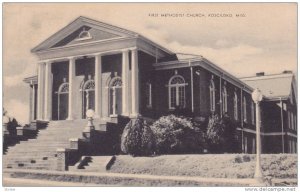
(212, 95)
(235, 106)
(245, 109)
(176, 92)
(224, 99)
(149, 95)
(292, 120)
(252, 113)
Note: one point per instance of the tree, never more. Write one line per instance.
(137, 138)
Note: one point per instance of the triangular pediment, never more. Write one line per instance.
(83, 30)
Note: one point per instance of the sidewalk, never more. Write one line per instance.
(18, 182)
(242, 182)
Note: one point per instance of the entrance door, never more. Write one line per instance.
(88, 96)
(115, 96)
(63, 101)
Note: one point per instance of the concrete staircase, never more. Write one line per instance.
(93, 164)
(40, 152)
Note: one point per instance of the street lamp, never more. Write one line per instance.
(257, 97)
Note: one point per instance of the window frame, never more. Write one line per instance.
(212, 96)
(177, 94)
(235, 107)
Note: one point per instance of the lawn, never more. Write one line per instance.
(208, 165)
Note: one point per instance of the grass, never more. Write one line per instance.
(210, 165)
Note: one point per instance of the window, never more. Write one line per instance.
(84, 35)
(212, 95)
(176, 92)
(289, 119)
(252, 113)
(235, 107)
(224, 99)
(149, 95)
(295, 121)
(245, 109)
(292, 120)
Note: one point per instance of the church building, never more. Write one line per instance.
(116, 72)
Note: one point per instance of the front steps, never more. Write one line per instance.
(93, 164)
(40, 153)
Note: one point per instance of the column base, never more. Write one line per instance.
(134, 115)
(69, 118)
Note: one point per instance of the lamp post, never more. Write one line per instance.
(5, 122)
(89, 128)
(257, 97)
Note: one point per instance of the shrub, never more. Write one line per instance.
(177, 135)
(137, 138)
(221, 134)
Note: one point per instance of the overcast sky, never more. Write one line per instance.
(265, 39)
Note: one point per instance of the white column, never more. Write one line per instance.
(125, 71)
(71, 88)
(40, 91)
(134, 83)
(48, 91)
(33, 102)
(98, 84)
(114, 101)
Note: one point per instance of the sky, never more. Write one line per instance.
(263, 38)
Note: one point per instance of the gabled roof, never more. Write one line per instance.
(101, 31)
(273, 86)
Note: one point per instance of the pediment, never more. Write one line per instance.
(83, 30)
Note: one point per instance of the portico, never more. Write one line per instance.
(91, 65)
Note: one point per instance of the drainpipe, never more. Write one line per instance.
(242, 121)
(192, 86)
(221, 102)
(282, 130)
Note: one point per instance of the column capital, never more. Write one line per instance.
(125, 50)
(97, 54)
(133, 49)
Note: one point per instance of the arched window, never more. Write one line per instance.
(149, 95)
(176, 92)
(235, 106)
(84, 35)
(245, 109)
(252, 114)
(62, 100)
(212, 95)
(88, 96)
(224, 99)
(63, 88)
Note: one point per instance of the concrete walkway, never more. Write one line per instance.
(242, 182)
(18, 182)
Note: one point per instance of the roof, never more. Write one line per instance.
(186, 60)
(183, 56)
(272, 86)
(31, 80)
(82, 21)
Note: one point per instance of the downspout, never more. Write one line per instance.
(282, 130)
(221, 102)
(192, 86)
(242, 121)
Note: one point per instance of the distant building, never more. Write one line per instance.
(93, 65)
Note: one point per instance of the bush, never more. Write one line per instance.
(221, 134)
(137, 138)
(177, 135)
